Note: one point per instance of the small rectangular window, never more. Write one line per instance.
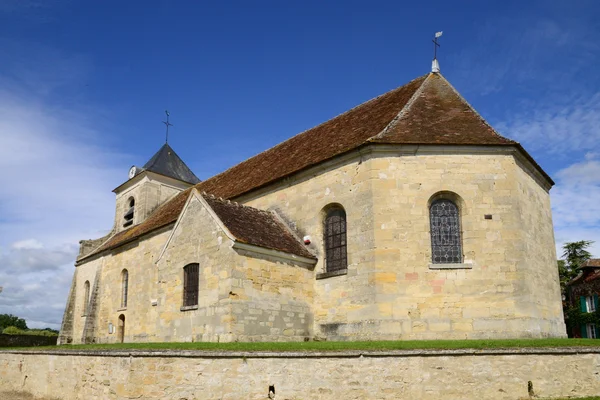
(590, 304)
(190, 285)
(591, 331)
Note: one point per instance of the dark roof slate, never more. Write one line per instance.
(167, 162)
(256, 227)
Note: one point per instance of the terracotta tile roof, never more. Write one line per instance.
(592, 276)
(336, 136)
(426, 110)
(592, 262)
(257, 227)
(439, 115)
(247, 224)
(162, 216)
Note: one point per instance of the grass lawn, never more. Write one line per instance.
(334, 346)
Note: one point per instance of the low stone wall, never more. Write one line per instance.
(27, 340)
(414, 374)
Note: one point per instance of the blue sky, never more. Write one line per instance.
(84, 86)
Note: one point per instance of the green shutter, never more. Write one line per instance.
(596, 301)
(584, 331)
(582, 301)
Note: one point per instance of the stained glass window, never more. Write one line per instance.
(445, 232)
(335, 240)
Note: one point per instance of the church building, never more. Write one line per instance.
(406, 217)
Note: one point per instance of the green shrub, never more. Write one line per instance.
(12, 330)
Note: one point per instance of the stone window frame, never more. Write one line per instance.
(458, 201)
(191, 286)
(86, 298)
(325, 214)
(124, 288)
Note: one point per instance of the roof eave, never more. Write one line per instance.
(282, 255)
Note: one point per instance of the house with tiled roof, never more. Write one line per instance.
(406, 217)
(582, 295)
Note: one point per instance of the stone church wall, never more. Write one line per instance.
(538, 262)
(140, 316)
(488, 295)
(507, 285)
(342, 304)
(391, 291)
(197, 239)
(271, 300)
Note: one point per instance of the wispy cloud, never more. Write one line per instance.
(575, 204)
(552, 127)
(522, 53)
(57, 176)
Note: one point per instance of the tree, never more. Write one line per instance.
(7, 320)
(575, 253)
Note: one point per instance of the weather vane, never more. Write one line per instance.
(167, 124)
(435, 65)
(436, 44)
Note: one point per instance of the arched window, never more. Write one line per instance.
(86, 298)
(445, 232)
(190, 285)
(334, 237)
(124, 288)
(128, 217)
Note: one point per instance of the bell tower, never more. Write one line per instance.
(161, 178)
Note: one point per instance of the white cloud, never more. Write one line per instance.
(57, 176)
(552, 128)
(27, 244)
(34, 259)
(576, 205)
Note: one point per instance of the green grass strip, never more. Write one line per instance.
(334, 346)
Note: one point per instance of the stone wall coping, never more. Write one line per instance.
(311, 354)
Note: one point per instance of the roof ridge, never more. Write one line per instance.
(403, 111)
(474, 110)
(233, 202)
(318, 125)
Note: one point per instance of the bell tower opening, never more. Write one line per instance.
(128, 217)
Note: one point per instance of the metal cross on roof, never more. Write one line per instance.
(436, 44)
(167, 124)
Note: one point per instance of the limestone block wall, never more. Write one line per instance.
(420, 374)
(271, 300)
(138, 259)
(149, 191)
(342, 305)
(196, 239)
(81, 274)
(538, 264)
(486, 297)
(391, 291)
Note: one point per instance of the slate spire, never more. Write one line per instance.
(167, 162)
